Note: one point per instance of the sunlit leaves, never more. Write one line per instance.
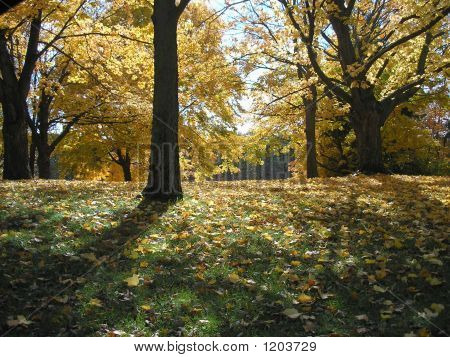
(345, 254)
(132, 281)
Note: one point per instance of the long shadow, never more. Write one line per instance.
(176, 291)
(392, 235)
(45, 294)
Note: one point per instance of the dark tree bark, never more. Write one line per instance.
(44, 163)
(367, 123)
(13, 95)
(127, 172)
(124, 161)
(164, 180)
(15, 140)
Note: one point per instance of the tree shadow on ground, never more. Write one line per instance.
(388, 231)
(173, 299)
(45, 293)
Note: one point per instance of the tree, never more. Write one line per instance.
(365, 38)
(164, 181)
(18, 59)
(208, 92)
(287, 78)
(14, 90)
(123, 159)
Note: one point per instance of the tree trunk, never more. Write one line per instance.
(367, 128)
(44, 162)
(13, 94)
(164, 180)
(126, 167)
(127, 172)
(310, 131)
(15, 140)
(32, 157)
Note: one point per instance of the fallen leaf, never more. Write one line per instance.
(304, 299)
(132, 281)
(291, 313)
(96, 302)
(20, 321)
(379, 289)
(234, 278)
(438, 308)
(362, 317)
(144, 264)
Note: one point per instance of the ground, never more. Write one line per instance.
(358, 256)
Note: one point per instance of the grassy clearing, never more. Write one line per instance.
(347, 256)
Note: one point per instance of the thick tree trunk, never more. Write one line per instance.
(164, 180)
(15, 140)
(310, 131)
(367, 128)
(13, 93)
(44, 162)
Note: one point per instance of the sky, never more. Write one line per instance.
(247, 120)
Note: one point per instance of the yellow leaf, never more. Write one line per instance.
(423, 332)
(20, 321)
(132, 281)
(379, 289)
(295, 263)
(438, 308)
(434, 281)
(62, 299)
(144, 264)
(95, 302)
(319, 267)
(398, 244)
(199, 276)
(133, 255)
(267, 236)
(436, 261)
(234, 278)
(146, 307)
(304, 299)
(380, 274)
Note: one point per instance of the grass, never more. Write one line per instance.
(353, 256)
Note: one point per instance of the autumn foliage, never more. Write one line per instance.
(344, 256)
(342, 98)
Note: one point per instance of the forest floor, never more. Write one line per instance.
(358, 256)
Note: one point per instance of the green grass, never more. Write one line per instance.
(370, 254)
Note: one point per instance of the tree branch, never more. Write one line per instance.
(379, 54)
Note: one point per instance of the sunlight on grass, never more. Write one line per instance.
(354, 256)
